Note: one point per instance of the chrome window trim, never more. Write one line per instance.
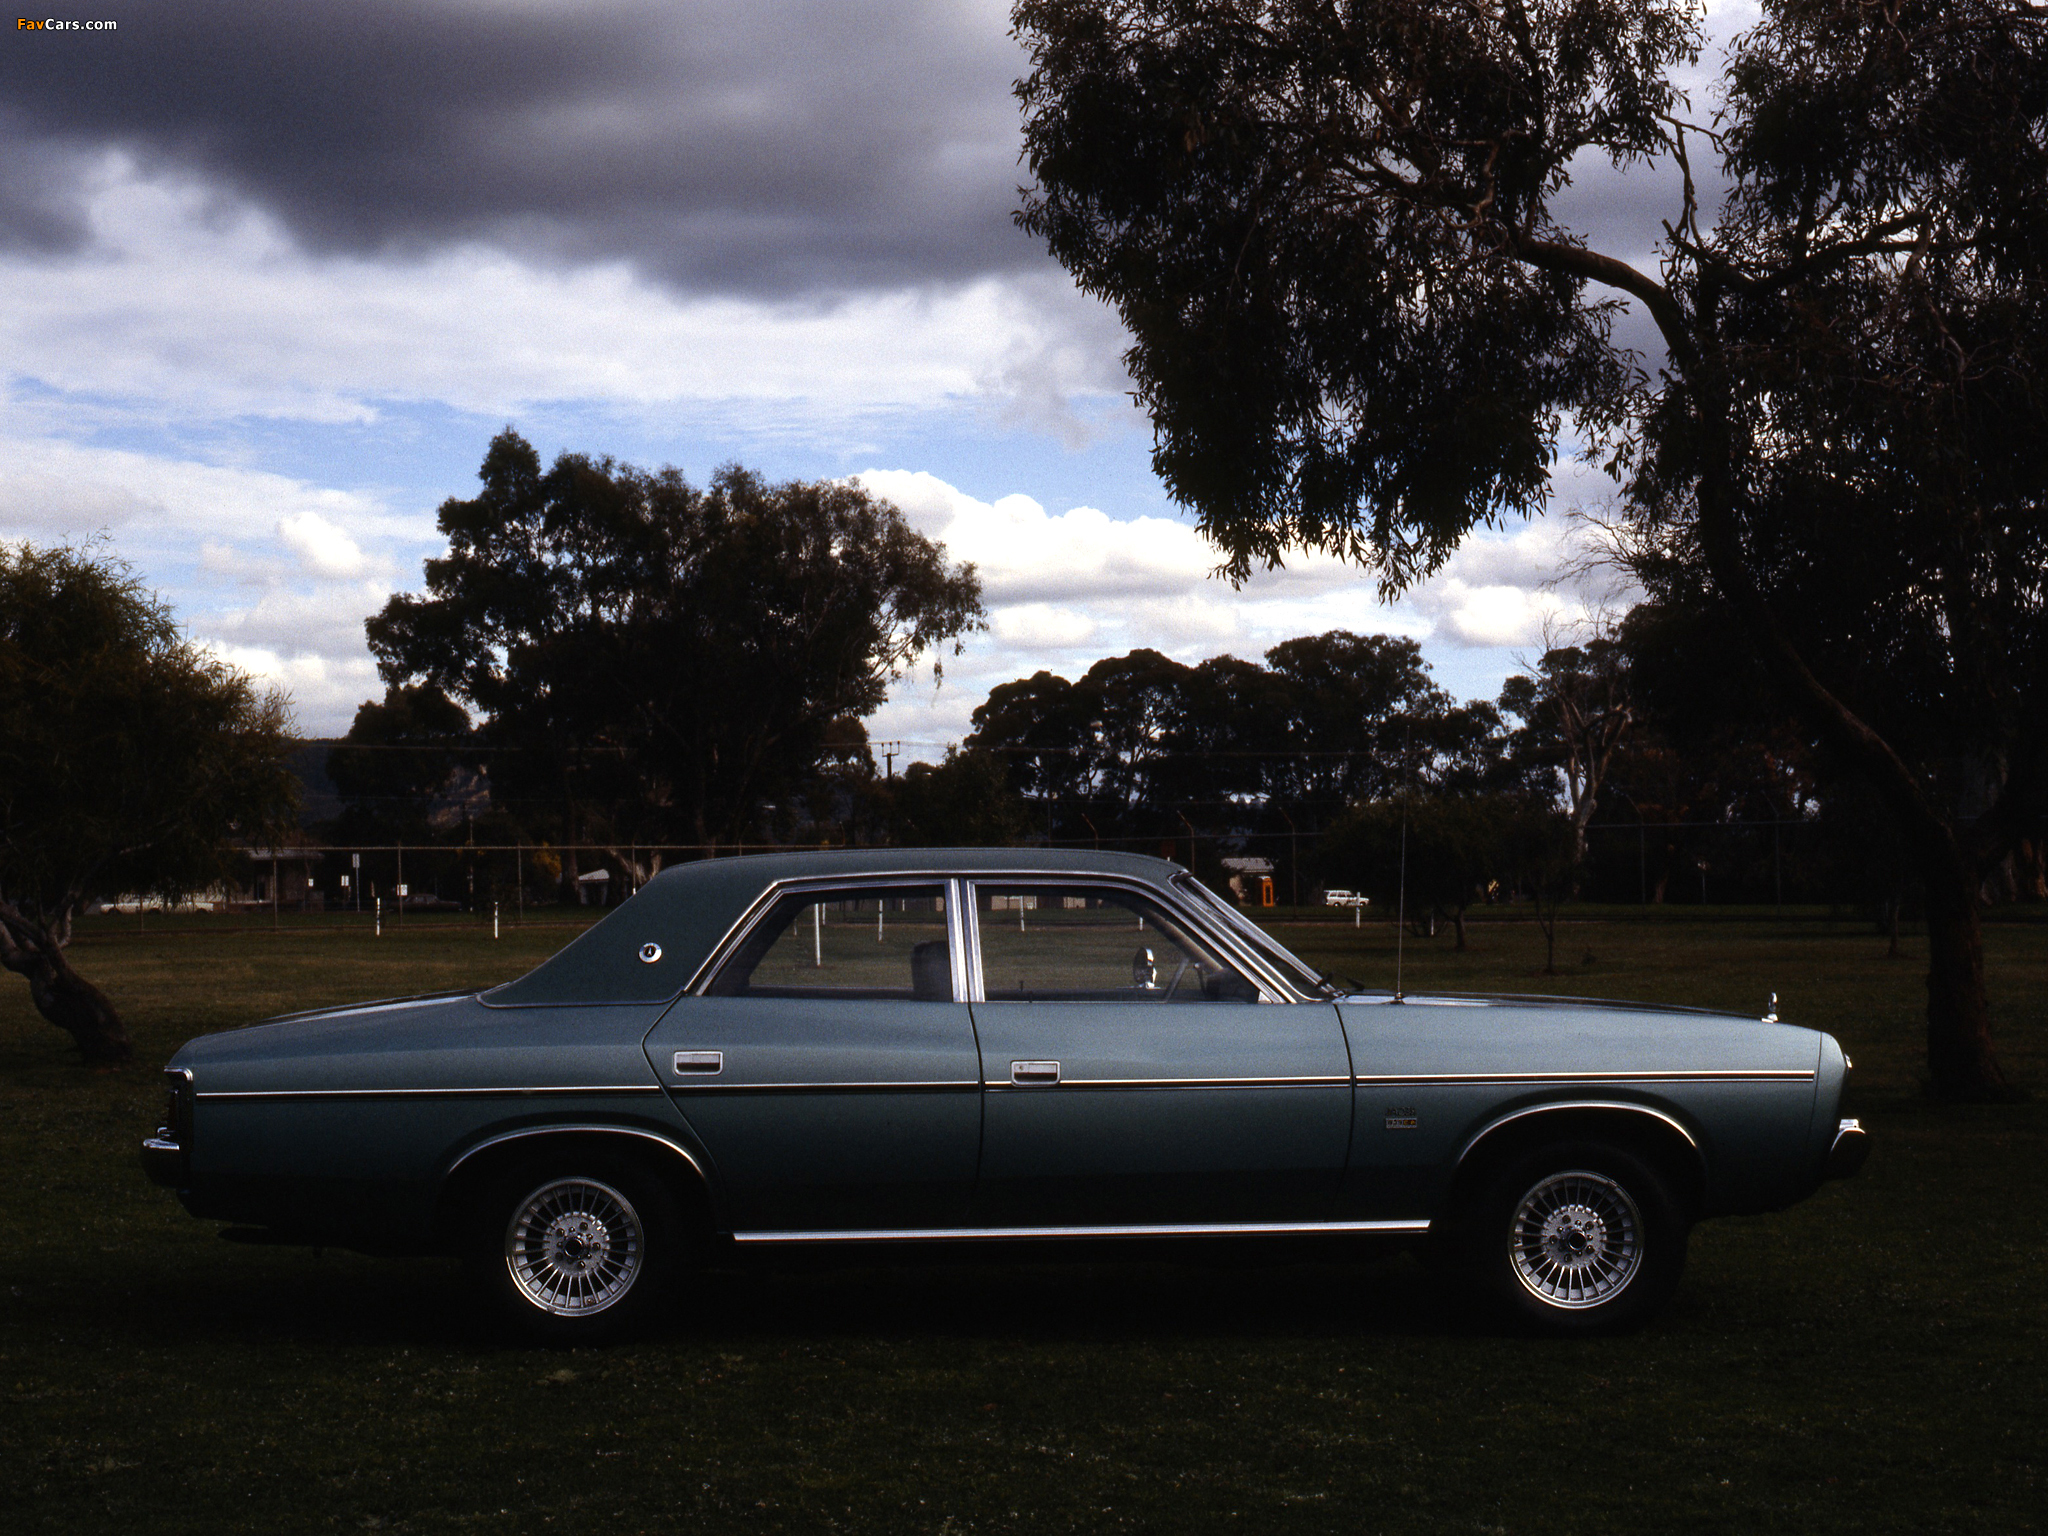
(1204, 899)
(602, 1130)
(1272, 988)
(700, 980)
(1013, 1234)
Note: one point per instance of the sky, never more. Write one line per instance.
(275, 275)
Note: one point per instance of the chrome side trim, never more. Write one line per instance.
(1009, 1234)
(1790, 1075)
(427, 1093)
(1181, 1082)
(1566, 1104)
(696, 1085)
(597, 1130)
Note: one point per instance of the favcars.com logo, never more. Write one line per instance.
(23, 24)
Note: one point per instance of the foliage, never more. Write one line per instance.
(1576, 712)
(964, 802)
(639, 648)
(398, 758)
(1427, 854)
(1330, 720)
(1360, 325)
(128, 758)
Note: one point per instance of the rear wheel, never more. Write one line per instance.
(1576, 1238)
(575, 1250)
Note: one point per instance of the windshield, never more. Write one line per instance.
(1297, 974)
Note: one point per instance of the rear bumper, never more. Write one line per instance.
(1851, 1147)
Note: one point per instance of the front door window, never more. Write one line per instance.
(1095, 944)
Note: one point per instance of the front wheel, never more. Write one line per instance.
(574, 1252)
(1577, 1238)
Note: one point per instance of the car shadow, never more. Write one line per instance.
(216, 1293)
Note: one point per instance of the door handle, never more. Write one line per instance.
(1034, 1071)
(699, 1063)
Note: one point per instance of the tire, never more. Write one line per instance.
(575, 1249)
(1575, 1239)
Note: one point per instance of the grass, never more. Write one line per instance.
(1869, 1360)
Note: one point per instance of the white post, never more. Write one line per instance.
(879, 904)
(380, 918)
(494, 919)
(818, 935)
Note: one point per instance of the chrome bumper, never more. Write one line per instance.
(164, 1161)
(1851, 1146)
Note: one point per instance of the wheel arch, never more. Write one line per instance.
(680, 1169)
(1645, 1129)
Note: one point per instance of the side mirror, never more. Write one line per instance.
(1145, 970)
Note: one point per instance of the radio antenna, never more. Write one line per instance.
(1401, 904)
(1401, 890)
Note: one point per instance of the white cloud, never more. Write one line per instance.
(194, 308)
(1041, 626)
(322, 548)
(1065, 589)
(324, 690)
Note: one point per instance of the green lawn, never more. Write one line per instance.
(1871, 1360)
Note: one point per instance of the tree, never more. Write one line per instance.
(128, 757)
(1360, 324)
(640, 649)
(398, 757)
(1453, 849)
(1575, 710)
(964, 802)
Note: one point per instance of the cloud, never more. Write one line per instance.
(165, 506)
(729, 146)
(322, 548)
(1065, 589)
(324, 690)
(187, 310)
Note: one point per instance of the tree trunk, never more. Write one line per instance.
(1458, 922)
(63, 996)
(1961, 1063)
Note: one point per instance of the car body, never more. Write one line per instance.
(944, 1046)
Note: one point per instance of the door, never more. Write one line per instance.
(828, 1070)
(1132, 1077)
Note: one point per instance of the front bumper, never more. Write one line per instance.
(1851, 1147)
(165, 1162)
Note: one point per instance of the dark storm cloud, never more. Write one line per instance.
(760, 148)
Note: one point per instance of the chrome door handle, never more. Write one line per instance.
(699, 1063)
(1034, 1071)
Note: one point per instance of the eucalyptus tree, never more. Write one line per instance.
(129, 761)
(635, 645)
(1362, 322)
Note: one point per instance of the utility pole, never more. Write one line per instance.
(890, 750)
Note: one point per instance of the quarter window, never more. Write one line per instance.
(1085, 943)
(853, 943)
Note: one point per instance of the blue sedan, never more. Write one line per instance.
(933, 1047)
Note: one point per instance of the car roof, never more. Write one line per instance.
(688, 908)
